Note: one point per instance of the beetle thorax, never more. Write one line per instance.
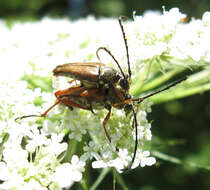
(108, 75)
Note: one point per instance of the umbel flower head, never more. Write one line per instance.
(40, 153)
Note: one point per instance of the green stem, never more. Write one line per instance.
(72, 146)
(84, 185)
(120, 180)
(175, 160)
(100, 178)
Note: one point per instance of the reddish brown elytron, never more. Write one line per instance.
(100, 87)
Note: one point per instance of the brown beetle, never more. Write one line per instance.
(100, 87)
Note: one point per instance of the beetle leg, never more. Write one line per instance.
(123, 102)
(87, 93)
(71, 103)
(51, 107)
(104, 124)
(67, 102)
(68, 91)
(42, 115)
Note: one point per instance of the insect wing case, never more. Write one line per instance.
(88, 72)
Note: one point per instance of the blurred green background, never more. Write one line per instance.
(180, 128)
(75, 8)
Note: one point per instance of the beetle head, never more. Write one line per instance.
(124, 82)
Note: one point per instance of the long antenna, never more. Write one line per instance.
(109, 52)
(25, 116)
(126, 46)
(42, 115)
(139, 100)
(136, 140)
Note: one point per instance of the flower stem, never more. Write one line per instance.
(100, 178)
(175, 160)
(120, 180)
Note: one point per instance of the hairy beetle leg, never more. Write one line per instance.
(69, 91)
(51, 107)
(104, 124)
(70, 103)
(123, 102)
(66, 102)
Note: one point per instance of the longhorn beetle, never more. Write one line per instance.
(100, 87)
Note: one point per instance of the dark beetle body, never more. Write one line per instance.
(104, 80)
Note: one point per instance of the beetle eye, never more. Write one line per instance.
(124, 83)
(127, 96)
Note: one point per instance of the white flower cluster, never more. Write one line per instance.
(29, 157)
(169, 38)
(31, 150)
